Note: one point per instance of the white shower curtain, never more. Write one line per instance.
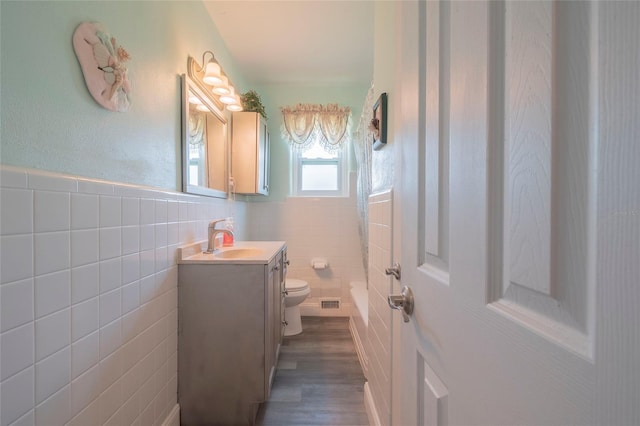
(362, 146)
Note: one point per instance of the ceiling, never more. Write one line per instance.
(298, 41)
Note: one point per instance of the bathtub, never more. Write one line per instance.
(359, 320)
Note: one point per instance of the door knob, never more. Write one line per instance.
(402, 302)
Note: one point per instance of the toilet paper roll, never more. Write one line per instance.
(319, 264)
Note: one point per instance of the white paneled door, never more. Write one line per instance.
(519, 185)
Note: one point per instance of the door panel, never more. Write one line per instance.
(528, 82)
(435, 81)
(541, 231)
(434, 396)
(504, 328)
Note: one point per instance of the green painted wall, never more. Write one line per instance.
(385, 54)
(276, 96)
(50, 121)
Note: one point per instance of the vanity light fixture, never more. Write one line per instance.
(211, 79)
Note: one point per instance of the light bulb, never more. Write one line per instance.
(236, 105)
(222, 88)
(230, 97)
(212, 74)
(194, 100)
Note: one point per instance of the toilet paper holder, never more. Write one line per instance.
(319, 263)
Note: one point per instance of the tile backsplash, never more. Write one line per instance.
(88, 296)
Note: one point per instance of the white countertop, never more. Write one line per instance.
(262, 253)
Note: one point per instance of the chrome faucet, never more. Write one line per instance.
(213, 233)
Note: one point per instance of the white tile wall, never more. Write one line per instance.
(315, 227)
(19, 219)
(53, 373)
(85, 353)
(380, 285)
(16, 262)
(17, 346)
(17, 307)
(18, 393)
(53, 292)
(84, 282)
(84, 247)
(88, 297)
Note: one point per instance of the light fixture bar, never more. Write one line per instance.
(210, 77)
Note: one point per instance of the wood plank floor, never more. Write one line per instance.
(319, 380)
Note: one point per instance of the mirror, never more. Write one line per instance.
(204, 143)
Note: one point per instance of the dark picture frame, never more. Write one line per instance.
(379, 122)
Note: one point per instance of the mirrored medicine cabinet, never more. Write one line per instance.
(204, 143)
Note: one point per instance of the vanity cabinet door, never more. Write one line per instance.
(250, 149)
(270, 319)
(275, 316)
(282, 292)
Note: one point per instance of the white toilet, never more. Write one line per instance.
(297, 291)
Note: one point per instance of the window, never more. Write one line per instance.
(319, 136)
(318, 173)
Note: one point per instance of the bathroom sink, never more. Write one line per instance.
(238, 253)
(242, 252)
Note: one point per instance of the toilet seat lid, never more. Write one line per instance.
(294, 284)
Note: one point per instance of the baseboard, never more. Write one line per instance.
(370, 407)
(362, 355)
(173, 419)
(313, 309)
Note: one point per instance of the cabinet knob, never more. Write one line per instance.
(287, 262)
(285, 323)
(285, 292)
(276, 268)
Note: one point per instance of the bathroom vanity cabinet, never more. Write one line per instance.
(230, 327)
(250, 147)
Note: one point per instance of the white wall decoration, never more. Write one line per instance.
(102, 61)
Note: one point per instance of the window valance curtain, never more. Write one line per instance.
(305, 124)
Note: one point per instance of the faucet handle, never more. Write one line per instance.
(213, 223)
